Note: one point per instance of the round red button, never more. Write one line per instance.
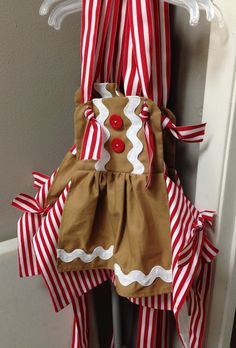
(116, 121)
(117, 145)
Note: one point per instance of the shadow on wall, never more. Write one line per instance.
(189, 63)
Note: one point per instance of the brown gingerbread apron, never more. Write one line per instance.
(110, 220)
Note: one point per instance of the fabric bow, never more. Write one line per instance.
(92, 140)
(190, 134)
(29, 204)
(40, 179)
(199, 246)
(73, 150)
(145, 117)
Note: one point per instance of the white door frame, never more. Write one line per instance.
(216, 177)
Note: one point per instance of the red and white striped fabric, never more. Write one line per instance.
(184, 219)
(106, 64)
(152, 328)
(92, 140)
(106, 9)
(184, 226)
(80, 324)
(179, 231)
(147, 329)
(198, 299)
(146, 40)
(138, 32)
(28, 204)
(198, 244)
(165, 50)
(118, 58)
(190, 282)
(75, 343)
(29, 224)
(156, 85)
(39, 179)
(191, 268)
(145, 117)
(190, 134)
(162, 330)
(140, 20)
(162, 302)
(64, 287)
(130, 77)
(89, 30)
(73, 150)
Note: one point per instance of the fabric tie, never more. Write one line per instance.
(199, 247)
(190, 134)
(145, 117)
(73, 150)
(92, 141)
(29, 204)
(40, 179)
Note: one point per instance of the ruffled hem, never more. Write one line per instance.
(184, 220)
(104, 209)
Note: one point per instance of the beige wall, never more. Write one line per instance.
(39, 72)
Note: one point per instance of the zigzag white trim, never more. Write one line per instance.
(141, 278)
(101, 118)
(136, 125)
(100, 252)
(100, 87)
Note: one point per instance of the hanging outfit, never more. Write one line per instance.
(115, 209)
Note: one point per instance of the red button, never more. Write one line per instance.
(117, 145)
(116, 121)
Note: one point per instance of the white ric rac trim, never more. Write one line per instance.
(141, 278)
(100, 252)
(101, 88)
(136, 125)
(101, 118)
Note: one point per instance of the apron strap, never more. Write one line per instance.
(141, 42)
(156, 84)
(108, 54)
(140, 20)
(89, 31)
(130, 76)
(117, 64)
(97, 43)
(106, 10)
(146, 61)
(165, 50)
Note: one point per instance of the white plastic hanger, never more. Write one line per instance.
(62, 10)
(191, 6)
(212, 11)
(46, 5)
(65, 8)
(208, 6)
